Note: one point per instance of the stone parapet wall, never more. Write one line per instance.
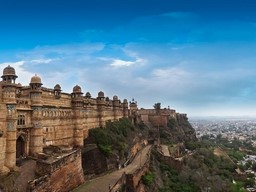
(60, 175)
(158, 120)
(133, 180)
(40, 116)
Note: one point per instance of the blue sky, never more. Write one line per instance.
(198, 56)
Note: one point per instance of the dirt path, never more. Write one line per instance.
(27, 172)
(101, 184)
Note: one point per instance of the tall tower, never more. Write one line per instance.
(125, 108)
(77, 105)
(36, 142)
(116, 104)
(101, 108)
(9, 98)
(133, 111)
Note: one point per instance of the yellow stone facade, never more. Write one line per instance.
(32, 117)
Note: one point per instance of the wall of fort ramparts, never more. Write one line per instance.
(56, 175)
(33, 117)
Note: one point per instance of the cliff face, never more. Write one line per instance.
(169, 126)
(179, 130)
(165, 169)
(112, 147)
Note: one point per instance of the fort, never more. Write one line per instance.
(33, 117)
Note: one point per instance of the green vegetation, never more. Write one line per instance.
(114, 137)
(208, 168)
(235, 155)
(148, 178)
(172, 123)
(225, 162)
(172, 181)
(157, 106)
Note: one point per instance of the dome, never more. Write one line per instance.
(125, 101)
(77, 89)
(88, 94)
(35, 80)
(115, 98)
(101, 94)
(9, 71)
(107, 99)
(57, 87)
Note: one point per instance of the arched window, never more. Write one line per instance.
(21, 120)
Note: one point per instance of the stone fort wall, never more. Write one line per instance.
(33, 117)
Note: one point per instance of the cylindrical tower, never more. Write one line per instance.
(116, 104)
(9, 98)
(57, 91)
(10, 157)
(77, 104)
(36, 134)
(101, 108)
(133, 111)
(125, 108)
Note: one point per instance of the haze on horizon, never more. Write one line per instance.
(198, 58)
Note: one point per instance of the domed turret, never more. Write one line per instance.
(36, 80)
(88, 95)
(9, 71)
(57, 87)
(77, 89)
(77, 94)
(77, 98)
(9, 75)
(57, 91)
(115, 98)
(35, 91)
(101, 94)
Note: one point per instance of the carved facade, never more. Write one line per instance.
(33, 117)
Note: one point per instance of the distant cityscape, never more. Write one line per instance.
(231, 128)
(234, 130)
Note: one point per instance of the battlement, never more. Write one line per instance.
(34, 117)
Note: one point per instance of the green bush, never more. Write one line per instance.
(113, 137)
(148, 178)
(106, 149)
(172, 123)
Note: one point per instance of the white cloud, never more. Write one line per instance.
(171, 73)
(123, 63)
(42, 61)
(23, 75)
(180, 78)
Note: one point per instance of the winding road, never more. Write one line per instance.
(101, 184)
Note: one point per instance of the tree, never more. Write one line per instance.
(157, 106)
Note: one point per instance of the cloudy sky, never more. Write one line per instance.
(198, 57)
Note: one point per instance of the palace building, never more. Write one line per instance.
(33, 117)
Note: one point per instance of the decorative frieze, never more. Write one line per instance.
(10, 126)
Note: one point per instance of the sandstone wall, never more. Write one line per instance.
(2, 136)
(61, 175)
(93, 161)
(133, 180)
(158, 120)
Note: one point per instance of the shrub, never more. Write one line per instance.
(148, 178)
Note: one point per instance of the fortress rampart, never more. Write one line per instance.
(33, 117)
